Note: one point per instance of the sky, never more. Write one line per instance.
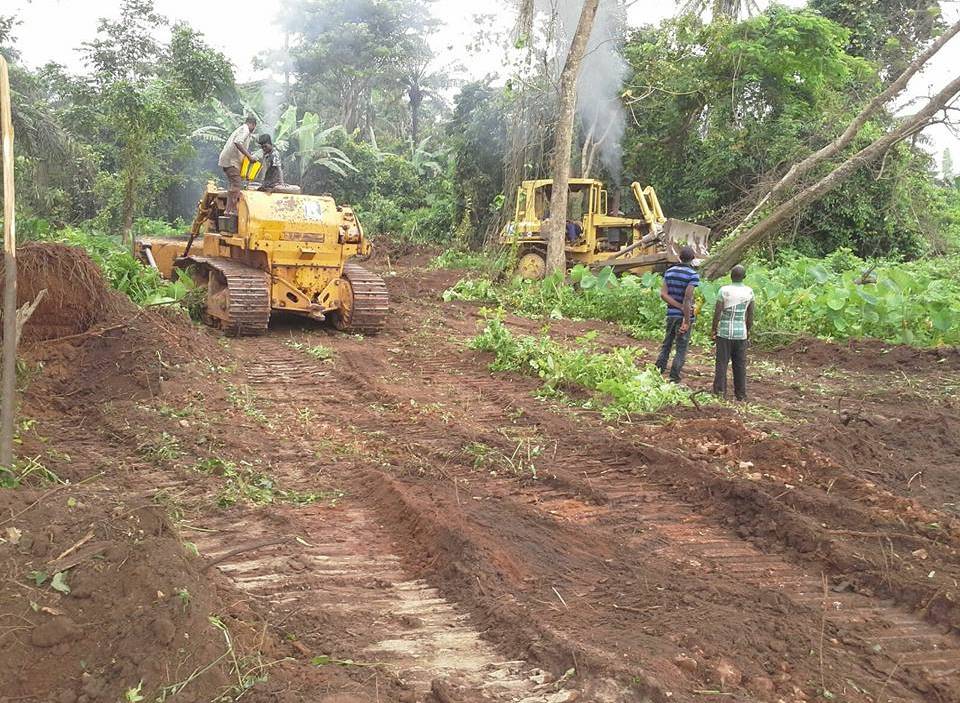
(52, 30)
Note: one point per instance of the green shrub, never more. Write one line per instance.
(122, 271)
(490, 264)
(906, 303)
(620, 387)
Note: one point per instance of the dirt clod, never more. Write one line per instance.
(53, 632)
(727, 674)
(760, 686)
(163, 629)
(687, 664)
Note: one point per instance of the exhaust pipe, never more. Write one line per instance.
(614, 209)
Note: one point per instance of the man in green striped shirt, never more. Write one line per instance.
(732, 320)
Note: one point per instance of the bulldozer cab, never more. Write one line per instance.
(585, 199)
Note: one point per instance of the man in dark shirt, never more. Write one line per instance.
(272, 166)
(679, 283)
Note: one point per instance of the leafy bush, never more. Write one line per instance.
(392, 193)
(621, 387)
(914, 303)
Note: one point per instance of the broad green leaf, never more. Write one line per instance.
(942, 320)
(820, 274)
(59, 582)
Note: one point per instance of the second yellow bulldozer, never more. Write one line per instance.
(598, 233)
(281, 251)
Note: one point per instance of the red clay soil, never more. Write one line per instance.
(132, 611)
(399, 524)
(75, 294)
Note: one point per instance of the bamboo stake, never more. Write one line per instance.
(8, 366)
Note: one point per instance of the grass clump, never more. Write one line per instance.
(619, 387)
(318, 351)
(142, 284)
(244, 483)
(490, 264)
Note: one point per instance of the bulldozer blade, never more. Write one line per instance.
(679, 233)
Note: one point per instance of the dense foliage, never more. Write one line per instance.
(122, 271)
(736, 102)
(619, 385)
(839, 297)
(137, 134)
(716, 101)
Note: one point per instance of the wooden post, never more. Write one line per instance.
(8, 366)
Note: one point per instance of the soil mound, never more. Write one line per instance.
(131, 354)
(76, 294)
(868, 355)
(101, 598)
(88, 343)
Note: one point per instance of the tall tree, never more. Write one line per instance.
(563, 139)
(346, 52)
(421, 82)
(721, 9)
(737, 103)
(889, 33)
(142, 94)
(870, 110)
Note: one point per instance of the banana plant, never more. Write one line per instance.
(426, 162)
(304, 143)
(224, 121)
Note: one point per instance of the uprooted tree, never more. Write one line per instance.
(739, 243)
(560, 169)
(736, 247)
(828, 151)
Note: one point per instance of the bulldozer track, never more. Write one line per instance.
(894, 640)
(248, 295)
(270, 368)
(342, 568)
(371, 301)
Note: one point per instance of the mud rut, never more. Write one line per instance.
(664, 528)
(340, 565)
(386, 561)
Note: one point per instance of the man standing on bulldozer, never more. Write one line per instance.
(231, 157)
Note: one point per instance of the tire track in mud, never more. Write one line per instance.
(337, 566)
(905, 655)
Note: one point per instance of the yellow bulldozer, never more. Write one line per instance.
(281, 251)
(597, 233)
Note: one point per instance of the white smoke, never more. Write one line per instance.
(601, 74)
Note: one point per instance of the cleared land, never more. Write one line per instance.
(397, 523)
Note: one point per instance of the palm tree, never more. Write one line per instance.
(54, 157)
(421, 83)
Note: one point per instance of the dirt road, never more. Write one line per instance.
(431, 531)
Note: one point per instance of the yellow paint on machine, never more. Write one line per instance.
(302, 241)
(636, 244)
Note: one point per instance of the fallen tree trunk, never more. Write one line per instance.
(733, 252)
(828, 151)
